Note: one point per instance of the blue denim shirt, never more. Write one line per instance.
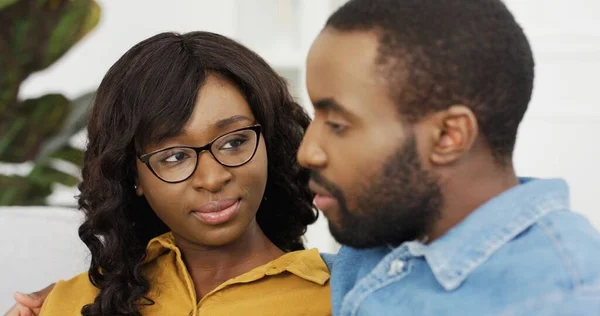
(522, 253)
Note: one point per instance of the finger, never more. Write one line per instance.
(19, 310)
(24, 311)
(35, 299)
(26, 300)
(29, 300)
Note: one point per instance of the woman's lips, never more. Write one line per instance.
(217, 212)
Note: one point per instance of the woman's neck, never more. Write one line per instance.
(211, 266)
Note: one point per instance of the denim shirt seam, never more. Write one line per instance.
(547, 228)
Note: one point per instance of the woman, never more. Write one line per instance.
(194, 202)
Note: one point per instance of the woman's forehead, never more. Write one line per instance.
(219, 104)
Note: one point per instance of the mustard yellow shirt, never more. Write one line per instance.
(293, 284)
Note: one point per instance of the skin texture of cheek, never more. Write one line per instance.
(251, 182)
(253, 190)
(166, 201)
(353, 171)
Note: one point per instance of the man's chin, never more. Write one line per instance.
(348, 236)
(345, 230)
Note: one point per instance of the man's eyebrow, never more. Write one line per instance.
(331, 105)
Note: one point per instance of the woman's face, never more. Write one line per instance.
(216, 205)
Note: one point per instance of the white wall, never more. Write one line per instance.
(559, 137)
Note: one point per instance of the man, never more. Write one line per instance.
(417, 106)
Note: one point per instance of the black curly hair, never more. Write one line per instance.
(149, 94)
(438, 53)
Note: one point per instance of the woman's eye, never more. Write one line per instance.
(176, 157)
(234, 143)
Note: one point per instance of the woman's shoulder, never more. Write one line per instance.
(297, 283)
(69, 296)
(316, 258)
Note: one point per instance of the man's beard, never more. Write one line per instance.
(401, 203)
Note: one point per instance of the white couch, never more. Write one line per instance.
(38, 245)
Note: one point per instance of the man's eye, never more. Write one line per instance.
(336, 128)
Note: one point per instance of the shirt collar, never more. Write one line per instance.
(455, 255)
(306, 264)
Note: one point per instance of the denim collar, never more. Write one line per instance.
(456, 254)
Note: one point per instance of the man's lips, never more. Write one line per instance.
(323, 199)
(317, 188)
(217, 212)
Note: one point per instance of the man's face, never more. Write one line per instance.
(368, 173)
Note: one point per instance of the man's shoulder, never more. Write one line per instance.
(565, 239)
(559, 253)
(585, 300)
(572, 237)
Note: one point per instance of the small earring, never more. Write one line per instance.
(135, 186)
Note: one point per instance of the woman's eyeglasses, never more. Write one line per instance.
(177, 164)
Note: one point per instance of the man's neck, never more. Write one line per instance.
(209, 267)
(468, 188)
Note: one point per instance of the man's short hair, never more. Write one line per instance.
(439, 53)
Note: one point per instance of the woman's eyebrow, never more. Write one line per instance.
(222, 124)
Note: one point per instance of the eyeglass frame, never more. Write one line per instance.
(145, 158)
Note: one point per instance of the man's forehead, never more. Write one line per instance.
(336, 46)
(342, 67)
(340, 60)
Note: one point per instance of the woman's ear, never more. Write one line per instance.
(139, 191)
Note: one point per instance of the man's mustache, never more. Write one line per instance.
(327, 185)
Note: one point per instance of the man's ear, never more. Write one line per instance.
(456, 133)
